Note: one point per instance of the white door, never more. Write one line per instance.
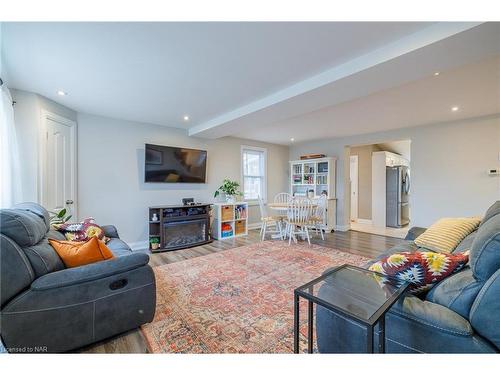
(353, 177)
(58, 169)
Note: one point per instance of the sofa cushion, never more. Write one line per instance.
(35, 208)
(55, 235)
(444, 235)
(466, 243)
(485, 250)
(24, 227)
(43, 258)
(494, 210)
(457, 292)
(485, 312)
(16, 273)
(421, 269)
(118, 247)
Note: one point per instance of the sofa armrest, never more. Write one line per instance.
(432, 315)
(90, 272)
(110, 231)
(414, 232)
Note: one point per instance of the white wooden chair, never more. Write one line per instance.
(318, 215)
(298, 218)
(282, 198)
(268, 221)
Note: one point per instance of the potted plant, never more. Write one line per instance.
(155, 243)
(59, 217)
(230, 189)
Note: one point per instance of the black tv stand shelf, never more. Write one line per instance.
(179, 226)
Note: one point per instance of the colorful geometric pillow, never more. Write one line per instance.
(421, 269)
(81, 231)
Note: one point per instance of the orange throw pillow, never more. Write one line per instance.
(75, 254)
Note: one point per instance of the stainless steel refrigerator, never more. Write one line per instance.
(397, 196)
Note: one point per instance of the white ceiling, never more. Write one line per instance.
(268, 81)
(474, 88)
(157, 72)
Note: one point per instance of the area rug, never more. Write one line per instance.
(236, 301)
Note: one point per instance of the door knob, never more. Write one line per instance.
(69, 201)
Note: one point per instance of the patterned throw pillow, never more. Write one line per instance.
(81, 231)
(421, 269)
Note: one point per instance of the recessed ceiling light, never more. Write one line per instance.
(454, 109)
(186, 118)
(292, 139)
(61, 93)
(436, 73)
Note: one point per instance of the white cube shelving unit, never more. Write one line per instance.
(230, 220)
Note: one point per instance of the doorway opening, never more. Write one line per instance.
(379, 183)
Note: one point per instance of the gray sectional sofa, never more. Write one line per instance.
(45, 307)
(460, 314)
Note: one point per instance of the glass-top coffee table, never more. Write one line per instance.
(353, 292)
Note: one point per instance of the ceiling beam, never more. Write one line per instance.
(227, 123)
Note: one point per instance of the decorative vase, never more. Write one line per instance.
(155, 217)
(155, 246)
(230, 198)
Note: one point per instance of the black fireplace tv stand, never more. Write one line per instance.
(178, 227)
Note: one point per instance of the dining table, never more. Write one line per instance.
(282, 208)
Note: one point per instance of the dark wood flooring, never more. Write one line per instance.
(365, 244)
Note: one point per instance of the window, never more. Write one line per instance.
(253, 160)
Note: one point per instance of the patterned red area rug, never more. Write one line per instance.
(236, 301)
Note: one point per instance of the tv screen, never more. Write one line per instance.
(174, 164)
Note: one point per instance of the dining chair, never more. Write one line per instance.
(268, 221)
(318, 216)
(298, 218)
(282, 199)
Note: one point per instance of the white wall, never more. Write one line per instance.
(448, 162)
(364, 154)
(27, 116)
(2, 72)
(111, 184)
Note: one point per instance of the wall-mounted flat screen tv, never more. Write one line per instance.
(175, 164)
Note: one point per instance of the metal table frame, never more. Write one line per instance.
(377, 317)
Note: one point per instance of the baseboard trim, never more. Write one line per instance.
(139, 245)
(364, 221)
(254, 225)
(342, 228)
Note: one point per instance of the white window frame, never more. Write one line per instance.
(264, 179)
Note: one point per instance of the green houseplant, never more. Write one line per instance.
(59, 217)
(155, 242)
(229, 188)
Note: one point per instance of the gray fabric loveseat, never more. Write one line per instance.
(46, 307)
(460, 314)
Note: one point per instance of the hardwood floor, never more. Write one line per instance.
(365, 244)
